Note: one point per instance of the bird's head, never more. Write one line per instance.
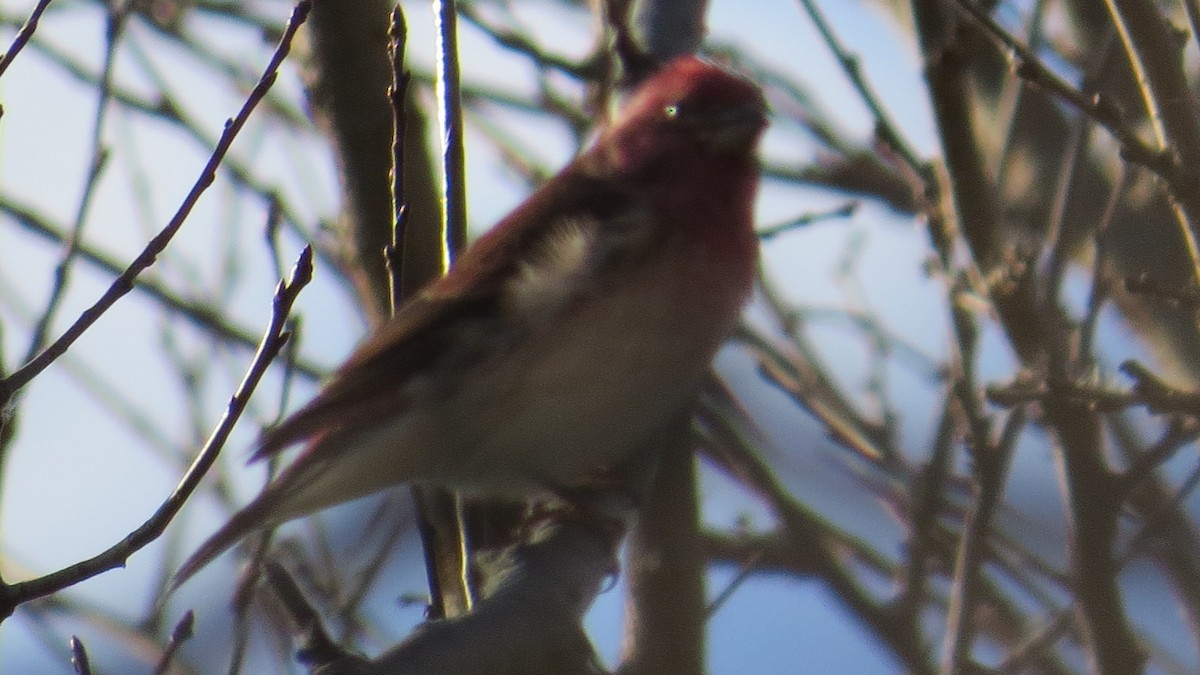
(690, 109)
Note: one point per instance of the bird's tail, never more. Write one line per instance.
(258, 515)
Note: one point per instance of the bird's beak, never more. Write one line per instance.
(735, 130)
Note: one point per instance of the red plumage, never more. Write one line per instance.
(565, 338)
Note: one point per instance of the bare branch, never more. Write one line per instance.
(125, 282)
(115, 556)
(23, 36)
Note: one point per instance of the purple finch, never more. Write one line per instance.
(565, 338)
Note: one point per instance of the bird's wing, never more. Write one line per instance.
(527, 258)
(417, 339)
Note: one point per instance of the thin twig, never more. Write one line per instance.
(1096, 107)
(1038, 645)
(1157, 61)
(884, 126)
(23, 35)
(206, 317)
(387, 527)
(1012, 99)
(846, 210)
(79, 657)
(745, 572)
(166, 108)
(99, 160)
(182, 632)
(116, 404)
(318, 649)
(518, 42)
(397, 95)
(813, 544)
(1180, 432)
(116, 555)
(1153, 521)
(928, 489)
(1157, 394)
(125, 282)
(1101, 283)
(991, 471)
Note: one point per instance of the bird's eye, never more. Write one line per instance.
(672, 111)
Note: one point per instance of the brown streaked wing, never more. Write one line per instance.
(427, 330)
(414, 341)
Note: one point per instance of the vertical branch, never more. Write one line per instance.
(1157, 58)
(991, 475)
(928, 500)
(441, 539)
(439, 510)
(444, 540)
(454, 177)
(345, 74)
(664, 634)
(1193, 14)
(1089, 488)
(1038, 337)
(666, 573)
(99, 159)
(665, 29)
(397, 92)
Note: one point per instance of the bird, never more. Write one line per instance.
(564, 338)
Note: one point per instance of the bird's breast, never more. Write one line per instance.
(584, 390)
